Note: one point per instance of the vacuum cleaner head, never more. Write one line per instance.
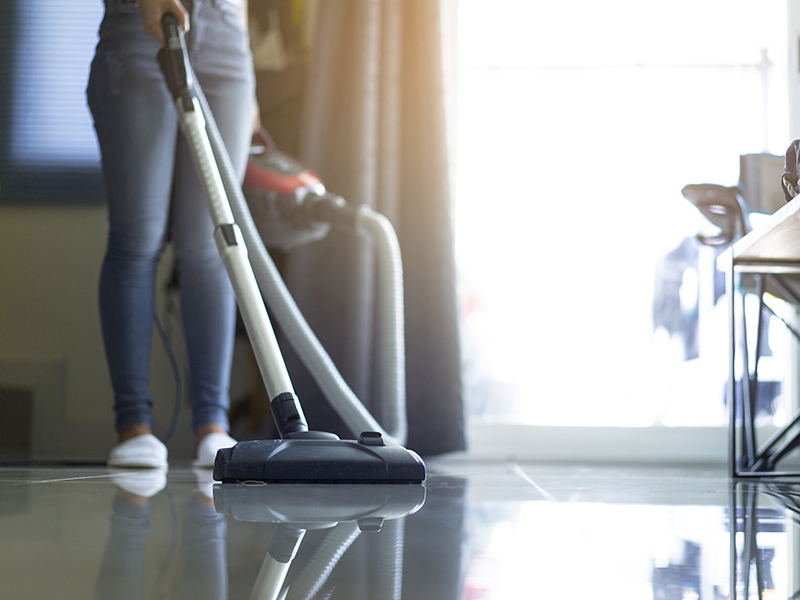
(308, 457)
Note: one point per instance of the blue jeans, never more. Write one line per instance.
(155, 196)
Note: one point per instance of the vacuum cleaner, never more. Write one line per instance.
(300, 455)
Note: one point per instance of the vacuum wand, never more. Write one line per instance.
(173, 59)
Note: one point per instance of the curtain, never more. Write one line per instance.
(375, 127)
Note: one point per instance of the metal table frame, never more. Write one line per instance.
(767, 258)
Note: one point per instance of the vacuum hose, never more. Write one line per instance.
(294, 325)
(391, 308)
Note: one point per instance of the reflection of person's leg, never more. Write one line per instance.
(136, 129)
(205, 570)
(121, 574)
(220, 56)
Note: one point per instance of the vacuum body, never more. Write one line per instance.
(278, 189)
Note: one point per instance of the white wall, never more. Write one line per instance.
(794, 67)
(50, 338)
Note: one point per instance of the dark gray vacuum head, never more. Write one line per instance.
(315, 506)
(314, 457)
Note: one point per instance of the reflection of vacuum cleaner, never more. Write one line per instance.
(301, 455)
(346, 510)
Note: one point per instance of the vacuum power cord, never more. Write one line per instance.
(176, 371)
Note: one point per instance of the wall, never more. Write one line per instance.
(793, 7)
(50, 339)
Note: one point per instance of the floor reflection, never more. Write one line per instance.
(203, 572)
(344, 512)
(764, 543)
(486, 531)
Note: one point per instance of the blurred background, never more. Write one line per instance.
(587, 309)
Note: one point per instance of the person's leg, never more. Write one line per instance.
(136, 128)
(208, 306)
(219, 54)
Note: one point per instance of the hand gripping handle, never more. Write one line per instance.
(174, 61)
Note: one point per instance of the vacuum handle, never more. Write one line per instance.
(174, 61)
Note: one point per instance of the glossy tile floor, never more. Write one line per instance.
(474, 531)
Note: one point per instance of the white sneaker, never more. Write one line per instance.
(205, 482)
(145, 451)
(207, 450)
(142, 483)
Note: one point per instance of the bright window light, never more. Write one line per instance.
(579, 122)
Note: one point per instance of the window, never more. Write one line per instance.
(579, 124)
(48, 151)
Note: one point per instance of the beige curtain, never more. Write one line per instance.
(375, 127)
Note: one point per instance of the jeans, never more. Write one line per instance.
(155, 196)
